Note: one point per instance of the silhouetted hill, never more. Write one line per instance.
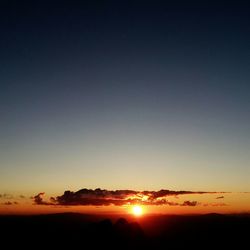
(83, 231)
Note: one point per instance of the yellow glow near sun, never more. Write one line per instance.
(137, 210)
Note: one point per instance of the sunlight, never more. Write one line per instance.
(137, 210)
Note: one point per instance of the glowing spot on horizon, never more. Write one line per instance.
(137, 210)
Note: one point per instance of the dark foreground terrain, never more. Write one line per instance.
(78, 231)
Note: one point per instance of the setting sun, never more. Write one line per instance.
(137, 210)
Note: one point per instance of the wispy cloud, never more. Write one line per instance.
(215, 204)
(6, 196)
(219, 197)
(8, 203)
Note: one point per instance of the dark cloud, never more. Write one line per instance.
(190, 203)
(163, 192)
(103, 197)
(219, 197)
(38, 199)
(97, 197)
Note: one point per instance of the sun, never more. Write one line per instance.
(137, 210)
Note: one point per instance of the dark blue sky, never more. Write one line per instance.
(162, 89)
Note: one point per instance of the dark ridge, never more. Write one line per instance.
(83, 231)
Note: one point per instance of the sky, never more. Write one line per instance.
(124, 95)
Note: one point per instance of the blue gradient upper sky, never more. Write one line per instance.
(129, 95)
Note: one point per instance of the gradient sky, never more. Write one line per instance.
(134, 95)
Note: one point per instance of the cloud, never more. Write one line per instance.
(219, 204)
(38, 199)
(8, 203)
(190, 203)
(97, 197)
(219, 197)
(215, 204)
(10, 196)
(6, 196)
(103, 197)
